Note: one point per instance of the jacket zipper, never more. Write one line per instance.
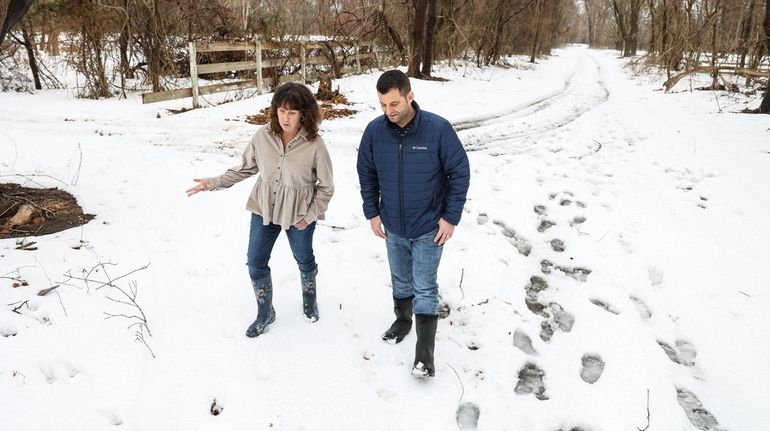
(401, 183)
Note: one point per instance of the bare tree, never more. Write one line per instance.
(418, 38)
(764, 107)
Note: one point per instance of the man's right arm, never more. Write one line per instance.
(367, 177)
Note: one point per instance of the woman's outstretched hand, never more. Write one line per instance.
(203, 185)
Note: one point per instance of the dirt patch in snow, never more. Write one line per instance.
(26, 211)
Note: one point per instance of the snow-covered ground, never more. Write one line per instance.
(610, 271)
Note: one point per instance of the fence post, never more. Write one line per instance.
(357, 49)
(373, 49)
(258, 59)
(194, 75)
(303, 62)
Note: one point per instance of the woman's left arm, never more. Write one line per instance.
(324, 186)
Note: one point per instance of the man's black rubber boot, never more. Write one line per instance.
(402, 308)
(426, 339)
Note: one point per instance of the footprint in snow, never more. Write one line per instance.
(696, 413)
(545, 225)
(557, 245)
(578, 273)
(546, 330)
(522, 245)
(641, 307)
(625, 245)
(482, 218)
(558, 319)
(605, 305)
(536, 285)
(467, 416)
(531, 381)
(539, 209)
(579, 219)
(563, 319)
(48, 372)
(593, 367)
(656, 275)
(522, 342)
(683, 352)
(113, 418)
(8, 329)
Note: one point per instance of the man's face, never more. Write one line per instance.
(396, 107)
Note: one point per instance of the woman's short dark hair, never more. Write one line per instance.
(394, 79)
(296, 97)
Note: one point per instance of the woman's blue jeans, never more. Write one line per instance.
(413, 270)
(262, 239)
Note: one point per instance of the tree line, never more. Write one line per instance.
(112, 42)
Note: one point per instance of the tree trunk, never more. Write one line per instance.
(125, 66)
(765, 106)
(536, 41)
(714, 50)
(590, 18)
(16, 11)
(653, 18)
(430, 35)
(620, 20)
(30, 45)
(418, 38)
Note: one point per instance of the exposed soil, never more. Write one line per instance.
(28, 211)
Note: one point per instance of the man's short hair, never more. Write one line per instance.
(394, 79)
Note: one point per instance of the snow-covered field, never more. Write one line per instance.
(610, 271)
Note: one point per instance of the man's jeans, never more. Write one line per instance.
(413, 270)
(261, 241)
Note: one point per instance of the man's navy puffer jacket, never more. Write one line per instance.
(411, 177)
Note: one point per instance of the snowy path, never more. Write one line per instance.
(612, 245)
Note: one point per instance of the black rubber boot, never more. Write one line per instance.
(423, 352)
(309, 304)
(263, 289)
(402, 308)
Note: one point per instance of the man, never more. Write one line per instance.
(414, 176)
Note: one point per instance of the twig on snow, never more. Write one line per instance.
(51, 289)
(648, 412)
(599, 147)
(21, 304)
(462, 275)
(462, 392)
(76, 176)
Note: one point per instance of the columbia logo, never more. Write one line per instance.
(419, 148)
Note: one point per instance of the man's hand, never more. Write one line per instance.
(445, 231)
(376, 224)
(203, 184)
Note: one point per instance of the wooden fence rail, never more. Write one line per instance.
(276, 58)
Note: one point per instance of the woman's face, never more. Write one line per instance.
(289, 119)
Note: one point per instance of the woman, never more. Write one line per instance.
(292, 192)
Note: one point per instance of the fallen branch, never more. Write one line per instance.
(110, 281)
(671, 82)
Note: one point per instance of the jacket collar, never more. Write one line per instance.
(413, 124)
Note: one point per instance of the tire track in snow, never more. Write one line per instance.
(583, 90)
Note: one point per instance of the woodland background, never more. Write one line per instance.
(120, 45)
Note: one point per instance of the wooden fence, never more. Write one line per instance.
(283, 62)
